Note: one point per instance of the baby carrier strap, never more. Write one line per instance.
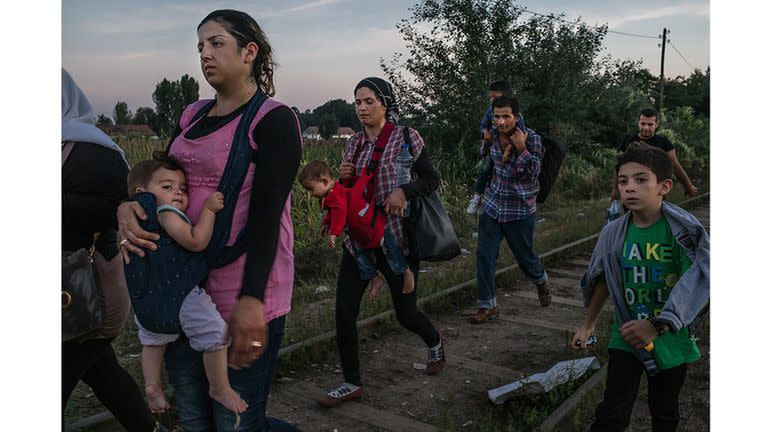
(235, 171)
(159, 281)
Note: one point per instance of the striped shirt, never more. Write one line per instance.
(359, 149)
(511, 194)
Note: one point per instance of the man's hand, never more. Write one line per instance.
(132, 236)
(638, 333)
(395, 203)
(518, 139)
(248, 331)
(691, 191)
(346, 170)
(332, 241)
(215, 202)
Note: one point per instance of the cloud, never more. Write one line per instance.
(167, 17)
(636, 15)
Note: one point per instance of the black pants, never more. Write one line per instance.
(349, 293)
(624, 373)
(95, 363)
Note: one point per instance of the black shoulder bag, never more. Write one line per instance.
(428, 228)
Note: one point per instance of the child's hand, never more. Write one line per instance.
(215, 202)
(486, 135)
(579, 340)
(332, 241)
(638, 333)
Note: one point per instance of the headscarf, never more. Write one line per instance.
(77, 122)
(386, 95)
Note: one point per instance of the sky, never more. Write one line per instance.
(123, 65)
(119, 51)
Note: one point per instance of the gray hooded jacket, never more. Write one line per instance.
(688, 301)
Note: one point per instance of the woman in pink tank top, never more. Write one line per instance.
(253, 293)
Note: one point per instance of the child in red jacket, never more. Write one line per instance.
(317, 179)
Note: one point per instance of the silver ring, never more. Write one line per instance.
(122, 242)
(255, 344)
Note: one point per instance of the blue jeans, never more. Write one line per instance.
(519, 236)
(198, 412)
(392, 251)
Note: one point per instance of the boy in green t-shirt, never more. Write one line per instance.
(646, 262)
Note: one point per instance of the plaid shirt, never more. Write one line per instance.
(359, 150)
(511, 194)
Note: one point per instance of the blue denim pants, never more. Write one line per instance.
(395, 257)
(519, 236)
(198, 412)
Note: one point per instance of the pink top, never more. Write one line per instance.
(203, 160)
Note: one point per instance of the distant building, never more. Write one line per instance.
(129, 130)
(343, 133)
(311, 132)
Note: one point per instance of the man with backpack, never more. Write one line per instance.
(646, 133)
(509, 208)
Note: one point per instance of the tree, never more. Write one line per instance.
(329, 123)
(456, 47)
(103, 120)
(171, 97)
(343, 110)
(146, 116)
(122, 114)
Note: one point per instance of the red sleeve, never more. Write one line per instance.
(336, 203)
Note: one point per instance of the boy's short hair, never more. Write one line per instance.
(649, 112)
(654, 158)
(500, 86)
(142, 172)
(314, 170)
(507, 101)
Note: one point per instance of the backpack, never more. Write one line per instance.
(159, 282)
(365, 220)
(554, 154)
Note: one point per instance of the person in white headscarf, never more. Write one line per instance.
(93, 179)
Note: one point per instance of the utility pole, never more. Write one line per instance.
(661, 88)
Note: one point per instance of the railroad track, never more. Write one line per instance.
(525, 339)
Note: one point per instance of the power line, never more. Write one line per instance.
(681, 56)
(552, 16)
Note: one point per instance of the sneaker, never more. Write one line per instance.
(545, 295)
(474, 204)
(436, 358)
(483, 315)
(346, 391)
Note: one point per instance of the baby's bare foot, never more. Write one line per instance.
(226, 396)
(156, 398)
(376, 284)
(409, 282)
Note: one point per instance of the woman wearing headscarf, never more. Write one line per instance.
(376, 107)
(93, 179)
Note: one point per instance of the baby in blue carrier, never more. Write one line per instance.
(164, 178)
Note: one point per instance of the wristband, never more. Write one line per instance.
(660, 326)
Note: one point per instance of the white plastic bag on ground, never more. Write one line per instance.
(543, 382)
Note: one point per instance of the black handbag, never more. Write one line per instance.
(81, 299)
(428, 229)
